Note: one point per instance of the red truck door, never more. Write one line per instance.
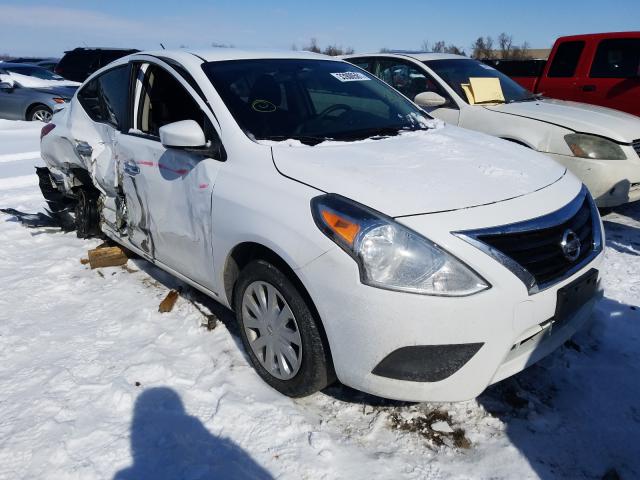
(562, 75)
(614, 75)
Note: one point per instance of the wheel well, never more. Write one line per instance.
(245, 253)
(32, 107)
(519, 142)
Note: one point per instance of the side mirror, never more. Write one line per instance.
(430, 99)
(183, 134)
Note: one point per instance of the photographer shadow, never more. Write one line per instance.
(169, 444)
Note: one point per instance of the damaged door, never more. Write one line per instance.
(165, 205)
(105, 100)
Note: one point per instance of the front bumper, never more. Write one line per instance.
(611, 182)
(364, 325)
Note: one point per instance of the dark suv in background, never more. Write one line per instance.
(79, 63)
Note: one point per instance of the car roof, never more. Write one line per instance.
(102, 49)
(21, 65)
(221, 54)
(600, 36)
(421, 56)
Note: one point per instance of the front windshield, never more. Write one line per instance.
(311, 100)
(456, 72)
(36, 72)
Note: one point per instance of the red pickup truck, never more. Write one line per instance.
(602, 69)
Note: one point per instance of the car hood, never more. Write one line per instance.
(63, 91)
(442, 169)
(580, 117)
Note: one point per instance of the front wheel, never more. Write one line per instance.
(40, 113)
(279, 332)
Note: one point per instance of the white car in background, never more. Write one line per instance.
(353, 235)
(600, 145)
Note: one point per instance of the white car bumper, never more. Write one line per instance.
(471, 341)
(611, 182)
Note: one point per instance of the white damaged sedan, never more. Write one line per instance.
(354, 237)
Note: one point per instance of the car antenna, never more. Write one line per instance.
(162, 46)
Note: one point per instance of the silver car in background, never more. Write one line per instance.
(29, 92)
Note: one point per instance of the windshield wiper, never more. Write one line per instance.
(306, 139)
(378, 132)
(531, 98)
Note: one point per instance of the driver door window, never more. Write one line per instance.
(161, 99)
(405, 77)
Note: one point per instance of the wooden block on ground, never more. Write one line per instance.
(169, 301)
(106, 257)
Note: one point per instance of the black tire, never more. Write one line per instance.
(87, 218)
(316, 370)
(38, 112)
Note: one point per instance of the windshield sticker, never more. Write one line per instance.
(350, 76)
(263, 106)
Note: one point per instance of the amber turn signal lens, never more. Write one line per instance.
(345, 229)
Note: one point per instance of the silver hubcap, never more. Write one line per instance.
(42, 116)
(272, 330)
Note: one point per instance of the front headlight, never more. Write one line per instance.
(390, 255)
(597, 148)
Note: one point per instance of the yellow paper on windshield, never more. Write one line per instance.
(486, 90)
(466, 87)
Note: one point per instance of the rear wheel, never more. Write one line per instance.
(279, 331)
(87, 217)
(40, 113)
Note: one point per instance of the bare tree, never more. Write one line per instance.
(454, 50)
(482, 48)
(521, 52)
(333, 50)
(313, 46)
(438, 47)
(442, 47)
(221, 45)
(505, 43)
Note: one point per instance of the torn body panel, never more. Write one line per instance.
(168, 204)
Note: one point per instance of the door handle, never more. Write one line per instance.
(84, 150)
(131, 168)
(588, 88)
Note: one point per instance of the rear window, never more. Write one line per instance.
(105, 97)
(617, 58)
(565, 60)
(37, 72)
(108, 56)
(518, 68)
(79, 58)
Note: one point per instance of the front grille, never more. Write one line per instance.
(533, 249)
(636, 146)
(539, 251)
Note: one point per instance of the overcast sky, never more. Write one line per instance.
(49, 27)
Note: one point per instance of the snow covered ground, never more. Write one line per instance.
(96, 384)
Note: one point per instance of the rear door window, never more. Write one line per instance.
(105, 97)
(617, 58)
(566, 59)
(364, 63)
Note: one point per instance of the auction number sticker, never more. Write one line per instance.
(350, 76)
